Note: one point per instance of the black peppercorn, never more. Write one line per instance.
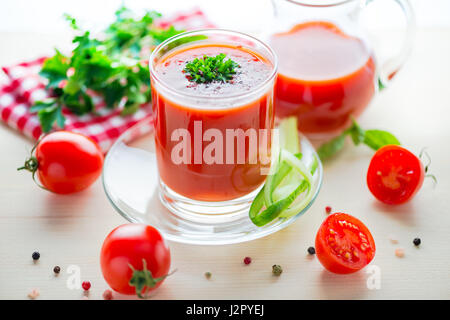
(36, 255)
(417, 241)
(311, 250)
(56, 269)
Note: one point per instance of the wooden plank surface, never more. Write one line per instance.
(69, 230)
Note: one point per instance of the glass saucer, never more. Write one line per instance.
(131, 183)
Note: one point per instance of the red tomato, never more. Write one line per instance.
(66, 162)
(395, 175)
(135, 254)
(344, 244)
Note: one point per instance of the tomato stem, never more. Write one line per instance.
(427, 165)
(143, 280)
(32, 165)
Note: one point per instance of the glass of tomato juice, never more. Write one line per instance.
(212, 140)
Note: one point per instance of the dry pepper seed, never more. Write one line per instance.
(417, 241)
(56, 269)
(208, 275)
(247, 260)
(33, 294)
(400, 253)
(86, 285)
(393, 239)
(36, 255)
(311, 250)
(328, 209)
(107, 295)
(276, 269)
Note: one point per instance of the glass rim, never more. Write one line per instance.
(319, 5)
(166, 86)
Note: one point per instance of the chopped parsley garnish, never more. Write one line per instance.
(209, 69)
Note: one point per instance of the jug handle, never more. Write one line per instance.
(389, 68)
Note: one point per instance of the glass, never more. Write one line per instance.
(131, 183)
(327, 68)
(188, 120)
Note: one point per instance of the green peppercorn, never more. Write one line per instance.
(276, 269)
(208, 275)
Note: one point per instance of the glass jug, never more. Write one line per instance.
(327, 70)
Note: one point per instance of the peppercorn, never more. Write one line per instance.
(36, 255)
(208, 275)
(276, 269)
(56, 269)
(107, 295)
(328, 209)
(400, 252)
(417, 241)
(33, 294)
(311, 250)
(247, 260)
(86, 285)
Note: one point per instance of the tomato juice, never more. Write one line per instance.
(325, 77)
(245, 102)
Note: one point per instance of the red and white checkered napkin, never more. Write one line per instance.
(25, 86)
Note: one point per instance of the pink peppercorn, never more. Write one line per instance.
(107, 295)
(328, 209)
(86, 285)
(247, 260)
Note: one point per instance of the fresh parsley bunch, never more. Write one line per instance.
(110, 66)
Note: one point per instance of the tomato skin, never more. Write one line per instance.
(395, 175)
(346, 237)
(127, 245)
(68, 162)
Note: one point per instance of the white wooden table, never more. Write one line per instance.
(69, 230)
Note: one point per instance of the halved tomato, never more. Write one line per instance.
(395, 175)
(344, 244)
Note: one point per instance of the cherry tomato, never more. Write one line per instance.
(395, 175)
(135, 259)
(66, 162)
(344, 244)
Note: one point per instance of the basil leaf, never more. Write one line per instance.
(331, 147)
(356, 133)
(376, 139)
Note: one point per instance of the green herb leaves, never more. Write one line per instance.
(209, 69)
(110, 67)
(374, 139)
(48, 113)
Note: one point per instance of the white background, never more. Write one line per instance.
(45, 16)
